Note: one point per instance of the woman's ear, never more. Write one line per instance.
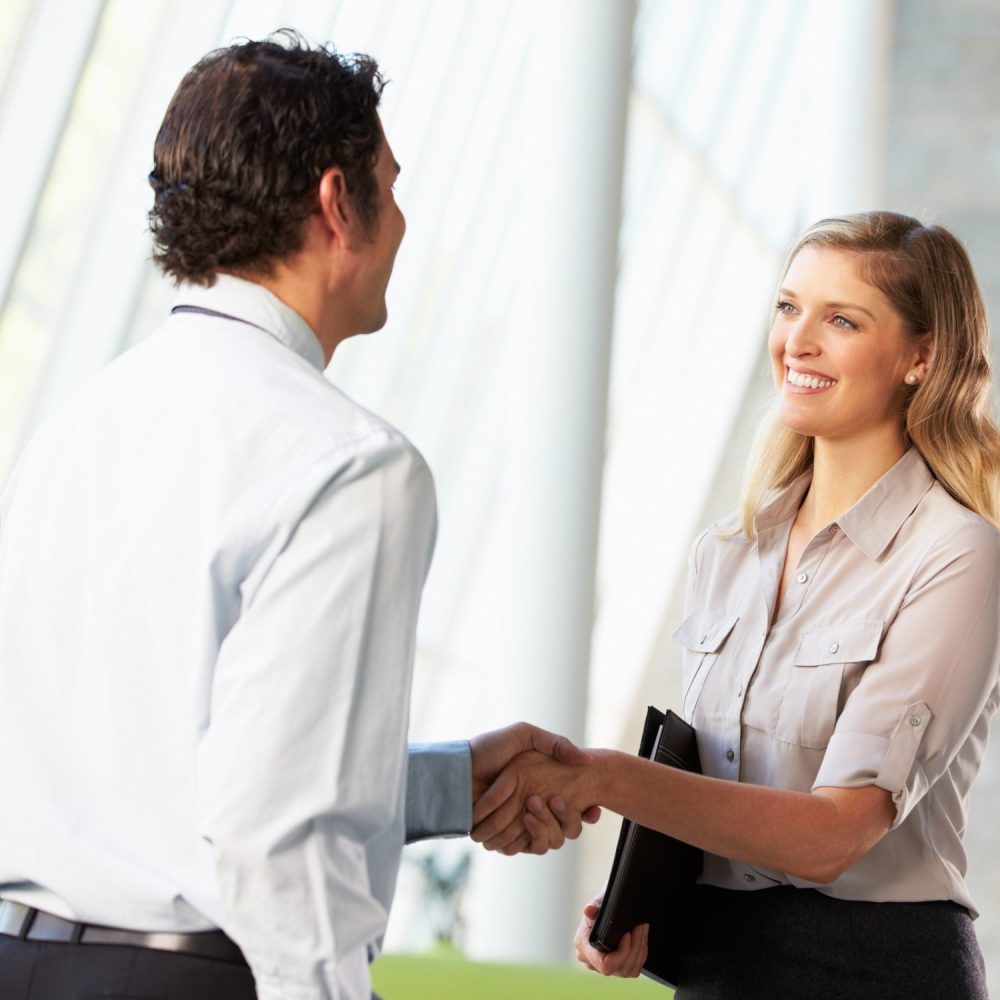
(922, 358)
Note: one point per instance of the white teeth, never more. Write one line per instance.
(804, 381)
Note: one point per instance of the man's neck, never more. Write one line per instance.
(301, 291)
(302, 288)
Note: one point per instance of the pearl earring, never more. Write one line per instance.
(912, 379)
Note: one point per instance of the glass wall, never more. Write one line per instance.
(746, 119)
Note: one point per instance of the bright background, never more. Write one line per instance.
(598, 195)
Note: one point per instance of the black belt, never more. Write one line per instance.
(29, 924)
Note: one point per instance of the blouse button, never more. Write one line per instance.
(730, 755)
(802, 577)
(834, 646)
(914, 720)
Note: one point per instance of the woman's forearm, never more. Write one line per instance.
(814, 836)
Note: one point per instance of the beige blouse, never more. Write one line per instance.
(881, 668)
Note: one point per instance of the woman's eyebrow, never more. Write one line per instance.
(851, 305)
(833, 305)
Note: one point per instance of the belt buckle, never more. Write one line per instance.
(15, 918)
(49, 927)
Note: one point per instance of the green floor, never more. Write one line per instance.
(404, 977)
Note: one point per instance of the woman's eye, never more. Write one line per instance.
(785, 307)
(843, 323)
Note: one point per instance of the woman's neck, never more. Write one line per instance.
(843, 472)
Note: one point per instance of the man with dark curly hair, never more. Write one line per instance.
(247, 140)
(215, 782)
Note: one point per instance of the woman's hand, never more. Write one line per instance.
(626, 960)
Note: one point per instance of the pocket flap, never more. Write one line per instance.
(704, 633)
(847, 643)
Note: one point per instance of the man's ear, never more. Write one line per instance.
(336, 207)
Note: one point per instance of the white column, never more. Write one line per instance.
(35, 98)
(848, 107)
(576, 99)
(97, 314)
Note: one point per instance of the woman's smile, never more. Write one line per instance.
(802, 381)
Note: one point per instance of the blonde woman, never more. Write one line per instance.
(840, 647)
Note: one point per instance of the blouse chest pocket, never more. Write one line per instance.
(813, 696)
(702, 636)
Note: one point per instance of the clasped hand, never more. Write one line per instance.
(536, 798)
(625, 961)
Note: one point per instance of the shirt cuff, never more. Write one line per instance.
(438, 790)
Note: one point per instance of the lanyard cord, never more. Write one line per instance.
(217, 315)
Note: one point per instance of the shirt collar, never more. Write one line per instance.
(784, 505)
(874, 520)
(249, 301)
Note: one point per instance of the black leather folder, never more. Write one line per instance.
(653, 875)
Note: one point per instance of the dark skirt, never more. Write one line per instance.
(798, 944)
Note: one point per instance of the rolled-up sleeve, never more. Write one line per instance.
(934, 680)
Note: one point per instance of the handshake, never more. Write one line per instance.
(529, 789)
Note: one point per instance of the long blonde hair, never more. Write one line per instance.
(926, 274)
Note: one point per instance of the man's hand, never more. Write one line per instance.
(626, 960)
(547, 825)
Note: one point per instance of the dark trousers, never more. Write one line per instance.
(797, 944)
(43, 970)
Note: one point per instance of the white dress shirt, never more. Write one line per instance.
(881, 667)
(211, 563)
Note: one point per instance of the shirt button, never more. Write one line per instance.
(749, 878)
(834, 646)
(802, 577)
(914, 720)
(730, 755)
